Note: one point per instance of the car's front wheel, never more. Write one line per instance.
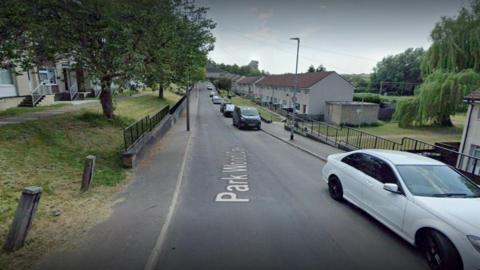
(439, 251)
(335, 188)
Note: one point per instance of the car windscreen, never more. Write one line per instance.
(437, 181)
(230, 107)
(249, 112)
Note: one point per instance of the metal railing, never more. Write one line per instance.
(73, 91)
(351, 138)
(133, 133)
(39, 92)
(345, 136)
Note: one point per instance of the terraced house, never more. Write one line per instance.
(44, 85)
(246, 85)
(314, 90)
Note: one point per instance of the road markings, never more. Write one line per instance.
(235, 173)
(157, 249)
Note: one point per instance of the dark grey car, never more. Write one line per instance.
(246, 117)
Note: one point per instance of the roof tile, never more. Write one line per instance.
(305, 80)
(475, 95)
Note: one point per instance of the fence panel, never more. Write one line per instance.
(137, 130)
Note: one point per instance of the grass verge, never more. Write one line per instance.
(240, 101)
(22, 110)
(50, 153)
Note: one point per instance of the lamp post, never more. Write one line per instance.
(294, 97)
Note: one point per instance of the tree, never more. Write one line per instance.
(456, 42)
(403, 68)
(440, 96)
(150, 41)
(451, 69)
(321, 68)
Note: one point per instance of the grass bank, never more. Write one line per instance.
(49, 153)
(264, 112)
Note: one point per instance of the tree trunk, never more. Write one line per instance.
(80, 79)
(445, 121)
(106, 98)
(160, 91)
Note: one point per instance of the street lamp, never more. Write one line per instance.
(294, 97)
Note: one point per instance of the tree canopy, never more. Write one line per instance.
(456, 43)
(312, 68)
(399, 72)
(245, 70)
(451, 70)
(150, 41)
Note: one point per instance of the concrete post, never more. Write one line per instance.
(22, 221)
(87, 173)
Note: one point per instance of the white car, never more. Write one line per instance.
(426, 202)
(212, 93)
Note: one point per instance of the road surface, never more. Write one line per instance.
(249, 201)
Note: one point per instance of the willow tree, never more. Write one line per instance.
(450, 69)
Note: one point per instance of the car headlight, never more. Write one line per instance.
(243, 119)
(475, 241)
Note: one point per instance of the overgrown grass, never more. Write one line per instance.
(50, 153)
(22, 110)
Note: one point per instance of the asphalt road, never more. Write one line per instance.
(283, 217)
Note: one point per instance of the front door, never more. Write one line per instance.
(387, 206)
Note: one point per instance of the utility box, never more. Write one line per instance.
(351, 113)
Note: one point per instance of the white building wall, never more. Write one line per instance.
(471, 140)
(331, 88)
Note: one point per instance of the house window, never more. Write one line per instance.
(297, 106)
(6, 77)
(47, 76)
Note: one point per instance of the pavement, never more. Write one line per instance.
(314, 148)
(235, 199)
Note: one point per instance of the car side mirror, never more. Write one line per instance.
(391, 187)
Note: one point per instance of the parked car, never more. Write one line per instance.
(424, 201)
(246, 117)
(217, 100)
(223, 105)
(212, 93)
(209, 87)
(228, 110)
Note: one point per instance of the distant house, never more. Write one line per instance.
(246, 85)
(470, 144)
(314, 89)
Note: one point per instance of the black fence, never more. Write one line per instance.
(175, 107)
(350, 139)
(137, 130)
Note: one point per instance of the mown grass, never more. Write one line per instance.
(240, 101)
(50, 153)
(430, 134)
(22, 110)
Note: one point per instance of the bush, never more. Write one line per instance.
(372, 98)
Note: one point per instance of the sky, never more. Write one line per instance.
(348, 36)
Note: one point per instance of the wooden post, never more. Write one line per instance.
(22, 221)
(87, 173)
